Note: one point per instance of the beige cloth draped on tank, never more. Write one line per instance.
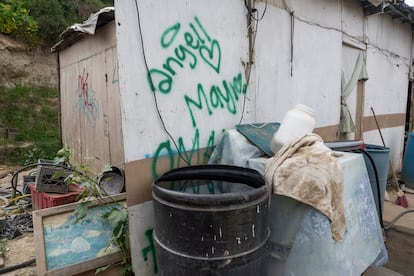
(306, 170)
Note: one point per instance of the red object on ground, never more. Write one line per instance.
(363, 144)
(401, 200)
(42, 200)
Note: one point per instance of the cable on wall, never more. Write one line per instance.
(292, 33)
(153, 93)
(251, 33)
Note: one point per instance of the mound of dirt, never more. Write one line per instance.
(22, 65)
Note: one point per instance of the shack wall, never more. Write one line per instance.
(197, 65)
(90, 97)
(197, 53)
(198, 61)
(388, 65)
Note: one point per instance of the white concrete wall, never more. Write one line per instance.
(315, 79)
(388, 55)
(207, 62)
(320, 28)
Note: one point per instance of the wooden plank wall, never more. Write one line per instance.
(90, 100)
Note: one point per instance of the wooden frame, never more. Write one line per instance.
(58, 239)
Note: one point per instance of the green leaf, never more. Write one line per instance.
(86, 184)
(101, 269)
(58, 174)
(84, 194)
(115, 216)
(106, 168)
(81, 210)
(58, 160)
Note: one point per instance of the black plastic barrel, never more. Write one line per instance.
(211, 220)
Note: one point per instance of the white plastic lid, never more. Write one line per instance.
(306, 109)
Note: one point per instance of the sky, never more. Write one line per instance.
(409, 2)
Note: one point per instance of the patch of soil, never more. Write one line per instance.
(5, 171)
(19, 250)
(11, 146)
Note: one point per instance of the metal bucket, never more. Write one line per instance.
(211, 220)
(112, 182)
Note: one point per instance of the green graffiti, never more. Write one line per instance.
(166, 150)
(207, 154)
(217, 98)
(212, 55)
(209, 146)
(181, 52)
(169, 35)
(189, 154)
(198, 104)
(193, 184)
(164, 86)
(166, 146)
(202, 28)
(230, 95)
(238, 87)
(150, 249)
(167, 65)
(202, 41)
(193, 47)
(189, 40)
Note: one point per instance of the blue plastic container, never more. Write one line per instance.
(381, 157)
(407, 174)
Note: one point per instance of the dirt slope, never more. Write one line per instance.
(23, 66)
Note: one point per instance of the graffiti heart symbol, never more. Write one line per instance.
(212, 55)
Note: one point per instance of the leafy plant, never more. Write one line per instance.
(2, 246)
(15, 20)
(31, 156)
(53, 16)
(34, 112)
(40, 22)
(115, 215)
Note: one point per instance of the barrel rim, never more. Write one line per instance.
(376, 148)
(209, 200)
(213, 172)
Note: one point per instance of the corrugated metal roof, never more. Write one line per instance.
(88, 27)
(397, 9)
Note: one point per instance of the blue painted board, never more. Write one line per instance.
(259, 134)
(68, 243)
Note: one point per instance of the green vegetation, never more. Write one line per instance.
(16, 20)
(115, 215)
(2, 247)
(30, 117)
(39, 22)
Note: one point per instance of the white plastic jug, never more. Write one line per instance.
(296, 123)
